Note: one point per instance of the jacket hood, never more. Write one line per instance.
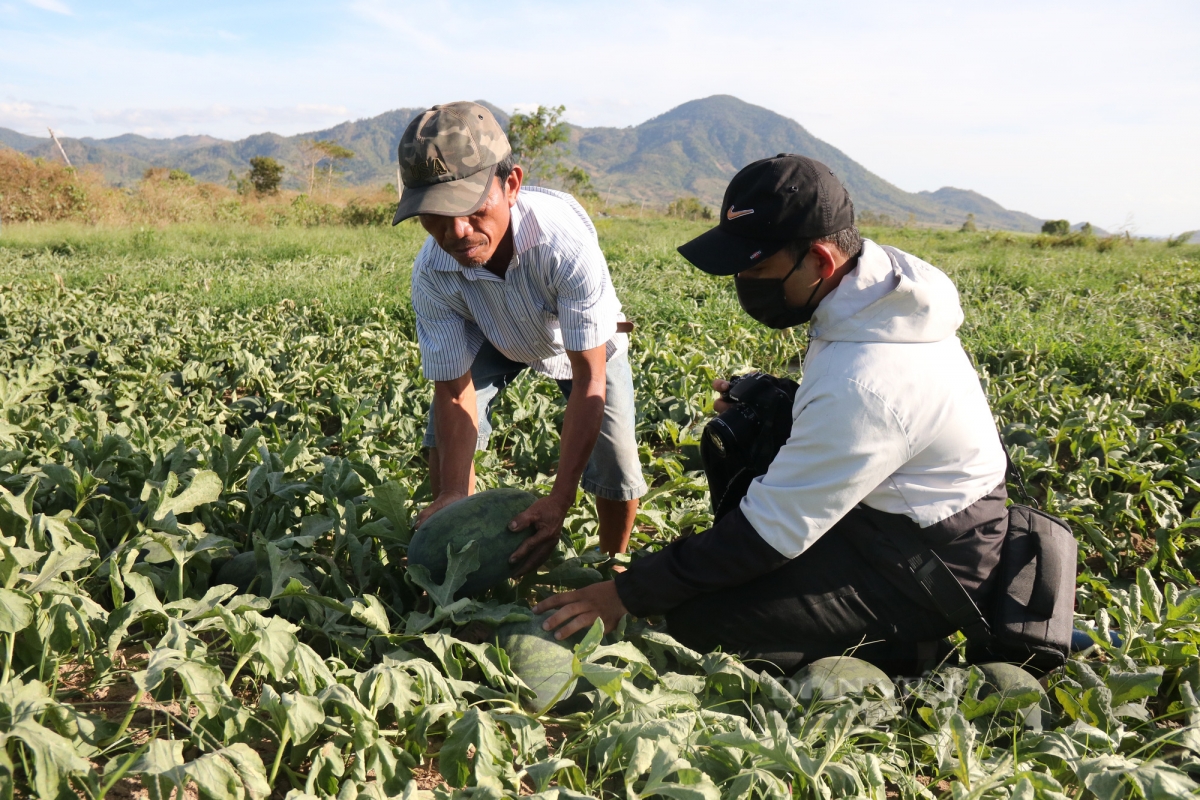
(881, 301)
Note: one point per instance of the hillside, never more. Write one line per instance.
(694, 148)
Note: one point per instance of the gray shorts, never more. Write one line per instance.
(614, 470)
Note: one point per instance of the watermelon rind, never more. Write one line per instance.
(238, 571)
(482, 518)
(839, 676)
(1014, 685)
(538, 659)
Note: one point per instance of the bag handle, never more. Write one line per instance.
(1012, 473)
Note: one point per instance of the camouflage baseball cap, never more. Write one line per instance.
(448, 156)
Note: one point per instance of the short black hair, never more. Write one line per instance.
(505, 166)
(848, 240)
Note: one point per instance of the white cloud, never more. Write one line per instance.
(168, 122)
(57, 6)
(34, 118)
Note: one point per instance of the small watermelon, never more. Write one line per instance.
(481, 518)
(1019, 692)
(239, 571)
(537, 658)
(838, 676)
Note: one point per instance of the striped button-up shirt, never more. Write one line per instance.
(556, 295)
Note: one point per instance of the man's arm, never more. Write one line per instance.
(844, 443)
(457, 428)
(581, 426)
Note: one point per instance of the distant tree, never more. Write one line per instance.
(265, 174)
(969, 226)
(1056, 227)
(1087, 230)
(310, 156)
(537, 141)
(333, 153)
(689, 208)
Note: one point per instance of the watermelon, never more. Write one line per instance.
(239, 571)
(1019, 692)
(838, 676)
(481, 518)
(537, 658)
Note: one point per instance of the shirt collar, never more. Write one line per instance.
(527, 234)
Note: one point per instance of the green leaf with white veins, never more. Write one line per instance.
(607, 679)
(458, 568)
(478, 731)
(16, 611)
(297, 715)
(370, 612)
(233, 773)
(205, 487)
(690, 783)
(54, 757)
(389, 499)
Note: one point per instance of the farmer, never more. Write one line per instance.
(891, 437)
(511, 277)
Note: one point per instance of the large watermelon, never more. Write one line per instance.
(1019, 692)
(537, 658)
(240, 571)
(838, 676)
(481, 518)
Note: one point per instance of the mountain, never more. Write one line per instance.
(693, 149)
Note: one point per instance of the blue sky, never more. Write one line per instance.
(1089, 111)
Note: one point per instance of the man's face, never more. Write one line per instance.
(798, 289)
(472, 240)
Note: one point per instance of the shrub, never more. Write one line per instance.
(969, 226)
(361, 212)
(1056, 227)
(1183, 238)
(265, 174)
(34, 190)
(689, 208)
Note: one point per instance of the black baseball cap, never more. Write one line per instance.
(768, 204)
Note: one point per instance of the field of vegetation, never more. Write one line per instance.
(170, 398)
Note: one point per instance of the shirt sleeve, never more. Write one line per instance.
(449, 341)
(587, 304)
(845, 441)
(729, 554)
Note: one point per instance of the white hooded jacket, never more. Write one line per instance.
(890, 412)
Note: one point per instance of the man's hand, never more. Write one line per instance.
(580, 608)
(719, 405)
(444, 499)
(546, 516)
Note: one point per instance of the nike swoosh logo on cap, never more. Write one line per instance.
(732, 215)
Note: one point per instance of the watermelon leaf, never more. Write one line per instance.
(459, 566)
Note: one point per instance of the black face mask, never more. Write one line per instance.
(763, 299)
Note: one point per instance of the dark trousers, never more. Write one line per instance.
(830, 600)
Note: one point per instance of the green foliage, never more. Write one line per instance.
(265, 174)
(1183, 238)
(536, 140)
(538, 143)
(689, 208)
(152, 429)
(969, 226)
(1056, 227)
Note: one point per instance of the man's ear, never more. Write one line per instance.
(827, 261)
(512, 185)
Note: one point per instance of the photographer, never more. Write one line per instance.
(891, 441)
